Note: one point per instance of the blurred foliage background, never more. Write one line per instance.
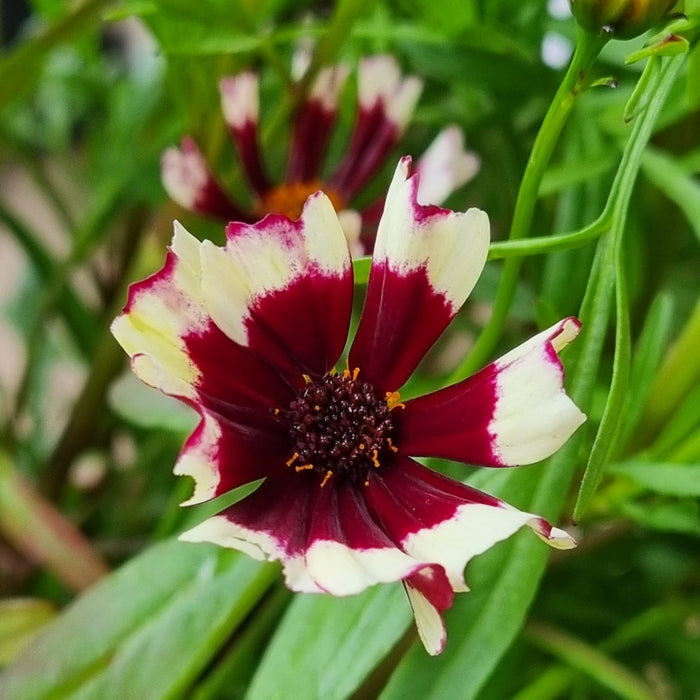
(91, 93)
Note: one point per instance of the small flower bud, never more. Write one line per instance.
(624, 19)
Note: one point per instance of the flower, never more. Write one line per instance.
(249, 335)
(386, 103)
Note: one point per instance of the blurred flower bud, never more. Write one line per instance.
(624, 19)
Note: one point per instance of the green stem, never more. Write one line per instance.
(550, 244)
(42, 534)
(575, 80)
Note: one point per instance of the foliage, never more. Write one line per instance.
(594, 199)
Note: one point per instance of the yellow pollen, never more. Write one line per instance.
(292, 459)
(355, 372)
(367, 482)
(393, 400)
(346, 373)
(329, 474)
(361, 446)
(307, 378)
(375, 461)
(304, 467)
(289, 198)
(317, 407)
(392, 447)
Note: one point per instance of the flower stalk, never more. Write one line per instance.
(576, 79)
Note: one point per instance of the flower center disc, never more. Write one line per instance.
(339, 426)
(288, 199)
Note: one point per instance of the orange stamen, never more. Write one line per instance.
(304, 467)
(329, 474)
(375, 461)
(355, 372)
(392, 447)
(292, 459)
(393, 400)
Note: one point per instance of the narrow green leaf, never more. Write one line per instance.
(680, 516)
(590, 661)
(649, 351)
(360, 268)
(483, 623)
(669, 478)
(132, 635)
(680, 187)
(559, 177)
(325, 646)
(611, 422)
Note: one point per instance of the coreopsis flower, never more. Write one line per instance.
(250, 334)
(386, 101)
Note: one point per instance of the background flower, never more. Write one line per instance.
(386, 101)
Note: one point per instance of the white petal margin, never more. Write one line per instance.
(326, 567)
(473, 529)
(184, 173)
(445, 166)
(328, 86)
(451, 246)
(379, 80)
(240, 100)
(198, 457)
(429, 622)
(341, 570)
(533, 416)
(161, 311)
(266, 258)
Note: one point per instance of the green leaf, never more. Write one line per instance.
(668, 478)
(681, 516)
(20, 620)
(649, 352)
(147, 407)
(483, 623)
(147, 631)
(590, 661)
(675, 183)
(325, 647)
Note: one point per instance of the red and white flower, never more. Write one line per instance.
(249, 335)
(386, 101)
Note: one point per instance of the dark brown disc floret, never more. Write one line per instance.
(339, 426)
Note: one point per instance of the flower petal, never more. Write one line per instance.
(324, 536)
(240, 104)
(220, 456)
(427, 612)
(188, 180)
(426, 262)
(445, 167)
(176, 347)
(441, 521)
(160, 312)
(386, 103)
(514, 411)
(283, 288)
(313, 124)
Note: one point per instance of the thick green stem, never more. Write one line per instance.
(575, 80)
